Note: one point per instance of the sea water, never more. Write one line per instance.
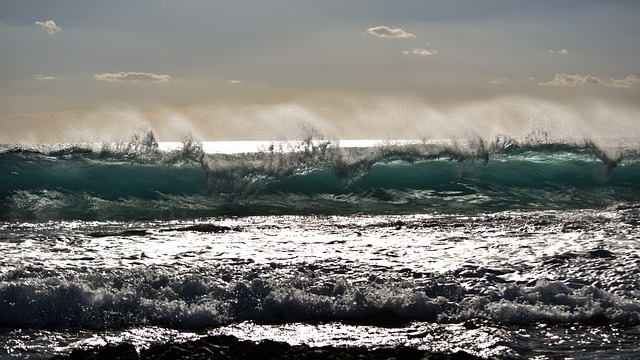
(500, 248)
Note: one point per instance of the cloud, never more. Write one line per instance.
(572, 80)
(43, 77)
(133, 77)
(49, 26)
(232, 82)
(498, 82)
(420, 52)
(559, 52)
(630, 81)
(386, 32)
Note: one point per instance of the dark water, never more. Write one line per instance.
(500, 248)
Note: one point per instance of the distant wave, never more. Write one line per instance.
(137, 179)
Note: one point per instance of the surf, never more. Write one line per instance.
(146, 179)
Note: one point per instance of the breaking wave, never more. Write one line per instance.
(154, 296)
(138, 180)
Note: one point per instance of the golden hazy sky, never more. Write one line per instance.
(73, 70)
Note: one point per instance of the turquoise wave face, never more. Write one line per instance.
(145, 183)
(104, 179)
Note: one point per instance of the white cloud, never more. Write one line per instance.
(49, 26)
(420, 52)
(559, 52)
(133, 77)
(43, 77)
(572, 80)
(630, 81)
(498, 82)
(386, 32)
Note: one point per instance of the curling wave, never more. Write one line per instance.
(137, 179)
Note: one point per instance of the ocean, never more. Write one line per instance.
(501, 248)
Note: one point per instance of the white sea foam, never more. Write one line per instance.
(279, 269)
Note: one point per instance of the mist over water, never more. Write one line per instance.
(604, 122)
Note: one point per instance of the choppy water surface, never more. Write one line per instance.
(504, 284)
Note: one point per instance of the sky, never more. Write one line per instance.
(77, 70)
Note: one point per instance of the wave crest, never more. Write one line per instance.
(138, 177)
